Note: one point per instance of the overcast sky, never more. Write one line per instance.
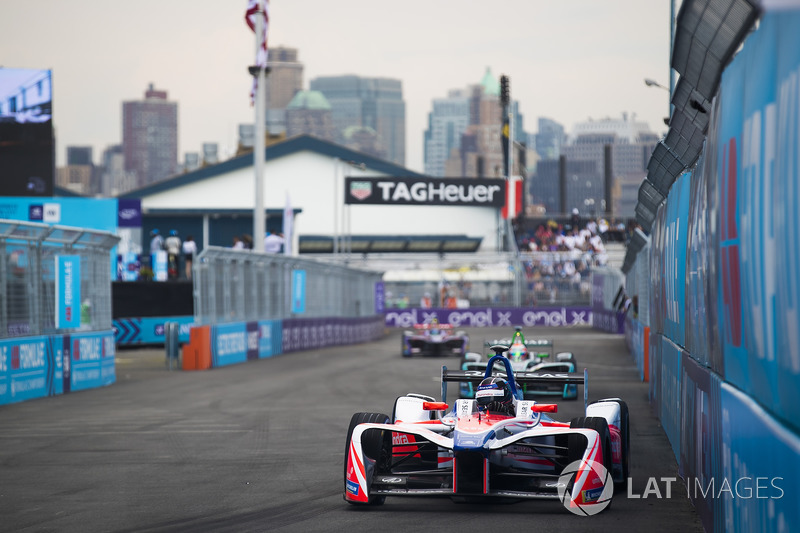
(568, 60)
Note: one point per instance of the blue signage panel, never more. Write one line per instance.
(298, 292)
(228, 344)
(760, 467)
(92, 359)
(68, 291)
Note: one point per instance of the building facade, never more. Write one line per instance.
(375, 103)
(284, 81)
(632, 142)
(309, 113)
(464, 132)
(150, 137)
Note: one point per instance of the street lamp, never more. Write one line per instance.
(653, 83)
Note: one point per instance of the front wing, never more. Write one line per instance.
(418, 460)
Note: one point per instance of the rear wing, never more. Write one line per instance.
(475, 375)
(536, 343)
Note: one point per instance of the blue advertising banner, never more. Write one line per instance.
(36, 367)
(92, 359)
(68, 291)
(701, 438)
(760, 467)
(298, 292)
(670, 391)
(149, 330)
(269, 338)
(674, 259)
(696, 314)
(380, 297)
(159, 260)
(228, 344)
(26, 371)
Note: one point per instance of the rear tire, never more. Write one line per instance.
(371, 444)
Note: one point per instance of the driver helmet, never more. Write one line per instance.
(434, 325)
(491, 390)
(517, 352)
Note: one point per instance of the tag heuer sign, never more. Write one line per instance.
(426, 191)
(360, 189)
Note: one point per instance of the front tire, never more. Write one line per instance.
(371, 444)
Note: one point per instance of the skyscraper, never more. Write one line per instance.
(150, 137)
(446, 123)
(631, 144)
(375, 103)
(464, 132)
(79, 173)
(284, 81)
(309, 113)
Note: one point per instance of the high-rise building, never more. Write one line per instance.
(549, 138)
(446, 124)
(631, 144)
(115, 179)
(79, 174)
(150, 137)
(284, 81)
(309, 113)
(375, 103)
(464, 132)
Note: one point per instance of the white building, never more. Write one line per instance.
(216, 203)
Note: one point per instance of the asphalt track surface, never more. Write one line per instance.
(259, 447)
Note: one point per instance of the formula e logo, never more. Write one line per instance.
(361, 189)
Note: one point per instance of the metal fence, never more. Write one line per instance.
(28, 277)
(242, 285)
(483, 279)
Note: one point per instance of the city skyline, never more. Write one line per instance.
(567, 61)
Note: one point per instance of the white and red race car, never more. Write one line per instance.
(433, 338)
(430, 448)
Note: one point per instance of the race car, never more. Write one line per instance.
(527, 356)
(433, 338)
(496, 446)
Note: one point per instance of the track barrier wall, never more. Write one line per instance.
(724, 297)
(51, 365)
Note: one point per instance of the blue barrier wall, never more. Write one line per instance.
(725, 302)
(36, 367)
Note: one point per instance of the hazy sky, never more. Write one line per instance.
(568, 60)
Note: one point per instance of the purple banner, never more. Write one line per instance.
(129, 213)
(493, 316)
(608, 321)
(309, 333)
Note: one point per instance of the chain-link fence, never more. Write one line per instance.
(242, 285)
(483, 279)
(30, 285)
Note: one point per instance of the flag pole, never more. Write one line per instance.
(259, 149)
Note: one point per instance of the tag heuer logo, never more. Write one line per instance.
(361, 189)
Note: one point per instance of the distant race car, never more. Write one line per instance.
(433, 338)
(493, 447)
(528, 356)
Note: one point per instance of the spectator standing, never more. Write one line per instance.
(273, 243)
(189, 249)
(156, 245)
(426, 302)
(173, 246)
(237, 243)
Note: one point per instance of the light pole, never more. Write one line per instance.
(653, 83)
